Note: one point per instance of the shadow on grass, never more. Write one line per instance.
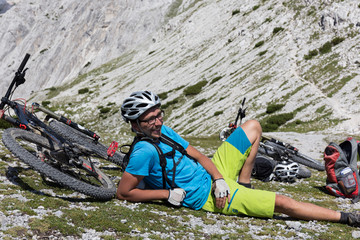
(12, 174)
(322, 189)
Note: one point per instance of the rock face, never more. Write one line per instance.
(301, 55)
(66, 38)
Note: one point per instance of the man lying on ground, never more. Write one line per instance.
(189, 178)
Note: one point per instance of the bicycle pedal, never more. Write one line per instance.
(112, 149)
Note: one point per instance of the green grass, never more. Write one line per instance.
(277, 29)
(325, 48)
(195, 89)
(4, 124)
(271, 108)
(69, 216)
(259, 44)
(234, 12)
(83, 90)
(198, 103)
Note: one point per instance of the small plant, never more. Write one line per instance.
(236, 11)
(215, 79)
(311, 54)
(277, 29)
(83, 90)
(87, 64)
(255, 7)
(280, 119)
(45, 103)
(337, 40)
(268, 127)
(173, 102)
(217, 113)
(163, 95)
(275, 121)
(320, 109)
(259, 44)
(262, 53)
(312, 11)
(198, 103)
(105, 110)
(195, 89)
(44, 50)
(268, 20)
(326, 48)
(274, 107)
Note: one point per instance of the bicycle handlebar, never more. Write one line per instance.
(276, 151)
(18, 79)
(241, 112)
(286, 145)
(23, 63)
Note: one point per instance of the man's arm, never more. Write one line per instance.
(205, 162)
(211, 169)
(127, 190)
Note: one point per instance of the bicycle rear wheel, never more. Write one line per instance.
(38, 152)
(76, 136)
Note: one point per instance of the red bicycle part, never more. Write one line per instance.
(112, 149)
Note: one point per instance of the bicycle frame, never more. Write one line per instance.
(28, 121)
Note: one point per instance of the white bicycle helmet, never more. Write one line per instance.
(225, 133)
(286, 171)
(138, 103)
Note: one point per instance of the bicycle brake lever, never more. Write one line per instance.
(20, 77)
(243, 113)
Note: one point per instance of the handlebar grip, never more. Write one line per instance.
(23, 63)
(243, 101)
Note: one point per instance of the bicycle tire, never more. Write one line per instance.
(35, 145)
(76, 136)
(298, 157)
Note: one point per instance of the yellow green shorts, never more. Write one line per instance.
(229, 159)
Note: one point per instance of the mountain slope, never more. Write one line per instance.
(66, 38)
(300, 58)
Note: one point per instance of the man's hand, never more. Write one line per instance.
(221, 191)
(176, 196)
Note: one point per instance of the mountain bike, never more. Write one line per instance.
(273, 148)
(48, 148)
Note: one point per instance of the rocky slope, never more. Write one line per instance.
(300, 55)
(66, 38)
(87, 56)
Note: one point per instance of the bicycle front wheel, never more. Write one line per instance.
(38, 151)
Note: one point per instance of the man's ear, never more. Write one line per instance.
(134, 126)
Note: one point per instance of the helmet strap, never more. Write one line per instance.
(141, 133)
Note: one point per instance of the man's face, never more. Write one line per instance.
(151, 122)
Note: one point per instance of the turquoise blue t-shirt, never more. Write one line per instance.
(190, 175)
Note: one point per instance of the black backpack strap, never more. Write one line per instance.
(175, 145)
(163, 163)
(127, 154)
